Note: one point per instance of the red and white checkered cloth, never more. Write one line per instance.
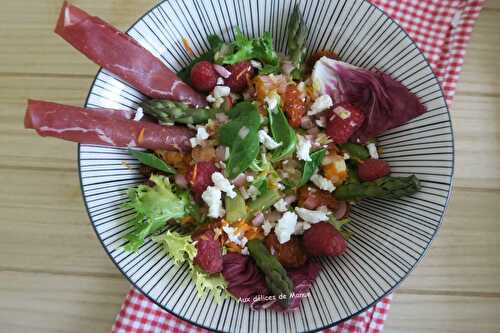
(442, 30)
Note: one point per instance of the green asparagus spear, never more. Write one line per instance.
(276, 277)
(356, 151)
(296, 43)
(176, 112)
(386, 187)
(236, 208)
(263, 202)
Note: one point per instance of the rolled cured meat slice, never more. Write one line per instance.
(123, 56)
(103, 127)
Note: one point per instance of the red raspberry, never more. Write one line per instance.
(241, 74)
(322, 239)
(199, 177)
(209, 255)
(373, 169)
(340, 129)
(203, 76)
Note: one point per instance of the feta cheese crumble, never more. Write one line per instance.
(256, 64)
(372, 149)
(211, 99)
(272, 101)
(267, 227)
(139, 114)
(243, 132)
(303, 148)
(285, 227)
(253, 192)
(322, 183)
(221, 91)
(201, 135)
(268, 141)
(281, 205)
(321, 121)
(301, 227)
(321, 103)
(220, 81)
(223, 184)
(237, 238)
(311, 216)
(212, 197)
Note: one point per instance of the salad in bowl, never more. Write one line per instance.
(251, 158)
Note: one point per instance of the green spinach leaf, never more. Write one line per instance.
(311, 166)
(152, 160)
(282, 132)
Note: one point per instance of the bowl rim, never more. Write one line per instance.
(424, 253)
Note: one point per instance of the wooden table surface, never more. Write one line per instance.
(54, 275)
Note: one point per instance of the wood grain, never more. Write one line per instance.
(54, 277)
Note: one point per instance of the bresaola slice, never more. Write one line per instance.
(123, 56)
(103, 127)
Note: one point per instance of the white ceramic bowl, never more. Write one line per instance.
(390, 236)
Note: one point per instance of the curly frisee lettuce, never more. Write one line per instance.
(153, 207)
(182, 248)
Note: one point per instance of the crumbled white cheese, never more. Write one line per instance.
(321, 103)
(322, 183)
(281, 206)
(211, 99)
(342, 112)
(340, 165)
(268, 141)
(201, 135)
(301, 227)
(220, 81)
(303, 148)
(321, 121)
(250, 179)
(267, 227)
(301, 87)
(253, 192)
(311, 216)
(285, 227)
(139, 114)
(238, 239)
(280, 186)
(243, 132)
(272, 101)
(244, 251)
(256, 64)
(372, 149)
(346, 156)
(212, 197)
(221, 91)
(223, 184)
(244, 193)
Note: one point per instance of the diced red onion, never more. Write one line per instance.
(222, 71)
(287, 67)
(313, 131)
(306, 122)
(341, 210)
(273, 216)
(240, 180)
(290, 199)
(220, 153)
(181, 181)
(258, 219)
(221, 117)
